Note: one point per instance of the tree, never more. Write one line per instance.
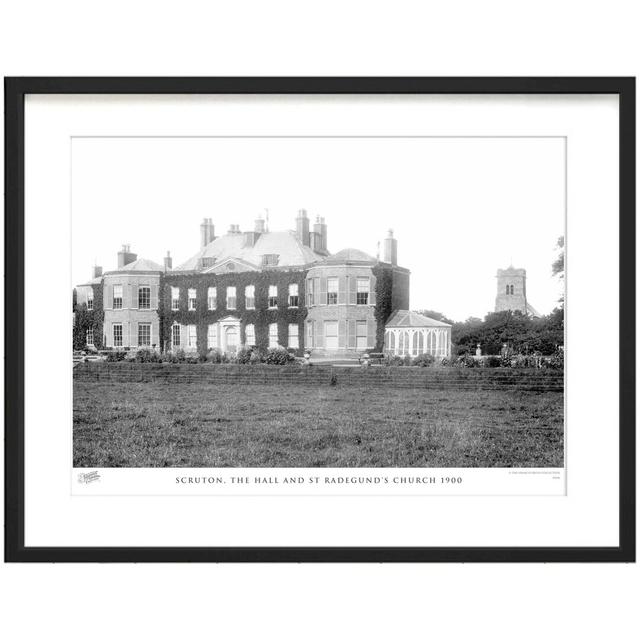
(557, 267)
(523, 334)
(435, 315)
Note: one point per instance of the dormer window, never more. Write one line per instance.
(270, 260)
(207, 262)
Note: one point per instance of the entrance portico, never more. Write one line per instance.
(229, 334)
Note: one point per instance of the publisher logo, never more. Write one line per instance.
(87, 478)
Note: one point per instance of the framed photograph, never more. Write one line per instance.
(320, 319)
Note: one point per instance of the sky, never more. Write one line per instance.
(460, 208)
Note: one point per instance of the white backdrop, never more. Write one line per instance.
(367, 38)
(586, 516)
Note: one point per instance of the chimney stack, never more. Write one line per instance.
(390, 249)
(260, 225)
(302, 227)
(320, 231)
(96, 271)
(168, 263)
(207, 230)
(125, 256)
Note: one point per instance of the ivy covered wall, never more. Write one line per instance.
(85, 320)
(392, 293)
(260, 317)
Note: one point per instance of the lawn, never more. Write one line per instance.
(154, 424)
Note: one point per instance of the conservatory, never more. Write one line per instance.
(408, 333)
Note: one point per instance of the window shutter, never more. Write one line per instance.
(304, 302)
(342, 290)
(342, 327)
(154, 296)
(352, 289)
(323, 291)
(107, 303)
(371, 333)
(351, 334)
(134, 296)
(372, 290)
(319, 334)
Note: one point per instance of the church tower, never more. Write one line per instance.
(512, 290)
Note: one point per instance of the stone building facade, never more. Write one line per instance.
(253, 288)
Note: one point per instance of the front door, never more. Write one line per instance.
(232, 339)
(331, 336)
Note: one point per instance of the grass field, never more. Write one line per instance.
(120, 424)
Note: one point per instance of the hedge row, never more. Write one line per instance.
(428, 378)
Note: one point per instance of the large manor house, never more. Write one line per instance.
(260, 288)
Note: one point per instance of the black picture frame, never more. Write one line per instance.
(15, 91)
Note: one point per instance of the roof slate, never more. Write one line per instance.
(404, 318)
(291, 252)
(141, 264)
(349, 255)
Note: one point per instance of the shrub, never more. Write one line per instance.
(146, 355)
(396, 361)
(423, 360)
(243, 356)
(256, 357)
(524, 362)
(116, 356)
(215, 356)
(466, 361)
(279, 356)
(492, 362)
(556, 361)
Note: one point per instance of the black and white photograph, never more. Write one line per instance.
(318, 301)
(364, 315)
